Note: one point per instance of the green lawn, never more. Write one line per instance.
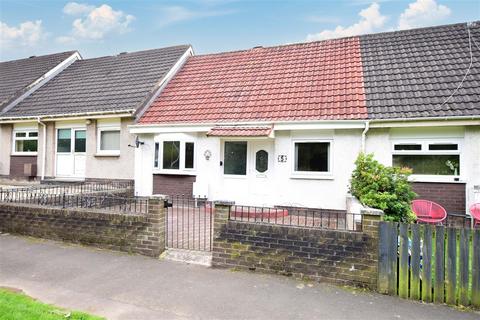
(21, 307)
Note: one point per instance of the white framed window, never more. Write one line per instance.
(25, 142)
(429, 159)
(108, 141)
(312, 159)
(174, 156)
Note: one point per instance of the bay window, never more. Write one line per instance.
(174, 155)
(25, 142)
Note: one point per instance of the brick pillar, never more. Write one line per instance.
(370, 226)
(222, 212)
(153, 240)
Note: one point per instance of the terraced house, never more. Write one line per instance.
(66, 118)
(282, 126)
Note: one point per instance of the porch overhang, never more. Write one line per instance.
(237, 131)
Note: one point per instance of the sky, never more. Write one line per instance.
(99, 28)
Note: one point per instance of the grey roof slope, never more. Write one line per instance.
(17, 75)
(409, 74)
(112, 83)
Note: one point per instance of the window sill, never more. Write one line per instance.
(112, 154)
(175, 172)
(312, 176)
(439, 179)
(24, 154)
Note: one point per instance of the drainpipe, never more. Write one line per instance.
(364, 135)
(44, 145)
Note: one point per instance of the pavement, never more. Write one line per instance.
(122, 286)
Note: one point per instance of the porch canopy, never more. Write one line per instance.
(236, 131)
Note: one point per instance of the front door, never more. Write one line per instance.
(71, 147)
(261, 171)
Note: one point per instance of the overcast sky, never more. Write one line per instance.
(98, 28)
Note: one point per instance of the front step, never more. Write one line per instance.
(203, 258)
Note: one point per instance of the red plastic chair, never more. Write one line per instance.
(428, 211)
(475, 212)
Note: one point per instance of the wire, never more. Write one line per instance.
(468, 70)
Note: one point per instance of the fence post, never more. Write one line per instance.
(220, 217)
(371, 219)
(152, 242)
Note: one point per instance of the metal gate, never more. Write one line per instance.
(189, 223)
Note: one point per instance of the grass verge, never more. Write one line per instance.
(18, 306)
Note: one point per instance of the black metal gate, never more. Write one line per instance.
(189, 223)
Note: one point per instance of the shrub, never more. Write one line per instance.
(382, 187)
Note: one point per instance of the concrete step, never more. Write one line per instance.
(202, 258)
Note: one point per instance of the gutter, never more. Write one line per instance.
(364, 135)
(44, 146)
(68, 116)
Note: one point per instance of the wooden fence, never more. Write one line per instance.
(430, 263)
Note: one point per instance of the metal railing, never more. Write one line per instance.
(103, 202)
(73, 188)
(299, 217)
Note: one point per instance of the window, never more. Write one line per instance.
(25, 142)
(312, 157)
(189, 152)
(428, 158)
(109, 140)
(64, 140)
(261, 161)
(171, 155)
(80, 140)
(174, 155)
(235, 160)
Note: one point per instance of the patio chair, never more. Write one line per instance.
(475, 212)
(428, 211)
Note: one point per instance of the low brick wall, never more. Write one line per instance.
(340, 257)
(142, 234)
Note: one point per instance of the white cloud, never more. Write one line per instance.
(65, 40)
(28, 33)
(95, 23)
(74, 8)
(173, 14)
(371, 20)
(422, 13)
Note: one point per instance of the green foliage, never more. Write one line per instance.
(382, 187)
(19, 306)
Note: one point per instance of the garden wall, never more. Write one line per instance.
(142, 234)
(335, 256)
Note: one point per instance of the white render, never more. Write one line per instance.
(280, 185)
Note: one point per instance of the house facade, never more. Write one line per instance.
(74, 127)
(282, 126)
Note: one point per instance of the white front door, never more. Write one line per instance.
(71, 147)
(260, 172)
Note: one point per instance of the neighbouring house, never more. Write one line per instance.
(282, 126)
(18, 80)
(74, 127)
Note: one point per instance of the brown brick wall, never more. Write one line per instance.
(172, 184)
(17, 162)
(451, 196)
(130, 233)
(341, 257)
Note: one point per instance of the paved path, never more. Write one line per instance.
(121, 286)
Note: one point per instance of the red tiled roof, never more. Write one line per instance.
(310, 81)
(240, 132)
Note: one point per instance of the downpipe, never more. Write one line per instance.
(44, 146)
(364, 135)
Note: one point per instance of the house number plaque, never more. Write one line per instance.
(282, 158)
